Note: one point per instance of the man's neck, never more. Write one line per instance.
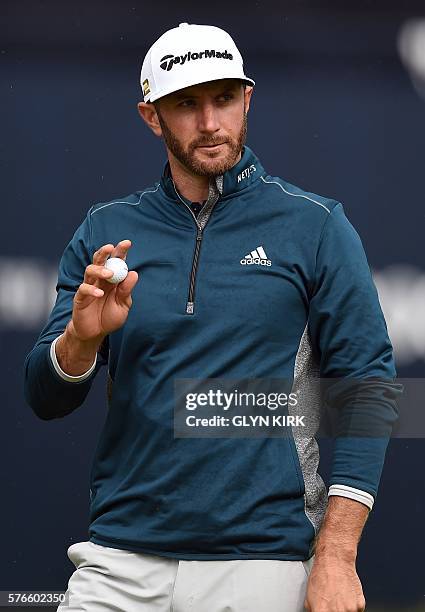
(191, 186)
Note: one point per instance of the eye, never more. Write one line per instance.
(226, 97)
(187, 103)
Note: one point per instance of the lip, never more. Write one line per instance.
(211, 147)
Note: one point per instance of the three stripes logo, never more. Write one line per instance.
(257, 256)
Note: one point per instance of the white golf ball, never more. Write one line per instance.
(118, 267)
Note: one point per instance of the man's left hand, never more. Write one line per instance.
(334, 586)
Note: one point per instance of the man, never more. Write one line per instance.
(242, 275)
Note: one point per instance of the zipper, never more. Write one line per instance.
(191, 297)
(201, 222)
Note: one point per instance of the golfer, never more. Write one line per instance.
(233, 274)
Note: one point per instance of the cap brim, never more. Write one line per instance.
(197, 81)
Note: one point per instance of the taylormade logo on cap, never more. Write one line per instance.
(189, 55)
(168, 61)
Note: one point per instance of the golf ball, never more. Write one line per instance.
(118, 267)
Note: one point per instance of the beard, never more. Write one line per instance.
(211, 167)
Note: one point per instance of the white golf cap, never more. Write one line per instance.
(188, 55)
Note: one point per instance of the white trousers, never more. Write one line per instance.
(110, 579)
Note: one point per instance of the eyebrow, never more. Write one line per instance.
(181, 96)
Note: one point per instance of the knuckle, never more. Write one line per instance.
(93, 270)
(83, 288)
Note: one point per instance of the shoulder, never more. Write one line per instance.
(295, 196)
(133, 199)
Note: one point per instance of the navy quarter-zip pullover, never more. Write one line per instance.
(208, 305)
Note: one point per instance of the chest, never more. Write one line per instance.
(243, 277)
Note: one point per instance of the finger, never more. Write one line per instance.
(125, 288)
(85, 291)
(121, 249)
(95, 273)
(101, 255)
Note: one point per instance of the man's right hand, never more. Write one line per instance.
(99, 309)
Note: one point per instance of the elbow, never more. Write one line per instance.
(45, 413)
(46, 394)
(44, 408)
(42, 413)
(40, 408)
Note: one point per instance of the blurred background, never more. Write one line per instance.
(338, 109)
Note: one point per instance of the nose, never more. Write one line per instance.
(208, 119)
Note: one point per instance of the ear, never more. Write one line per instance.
(150, 117)
(247, 96)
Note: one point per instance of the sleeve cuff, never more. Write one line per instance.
(352, 493)
(63, 374)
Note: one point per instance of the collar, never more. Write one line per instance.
(247, 171)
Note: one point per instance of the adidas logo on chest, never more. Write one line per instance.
(257, 256)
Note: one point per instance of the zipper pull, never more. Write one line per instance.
(189, 308)
(199, 234)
